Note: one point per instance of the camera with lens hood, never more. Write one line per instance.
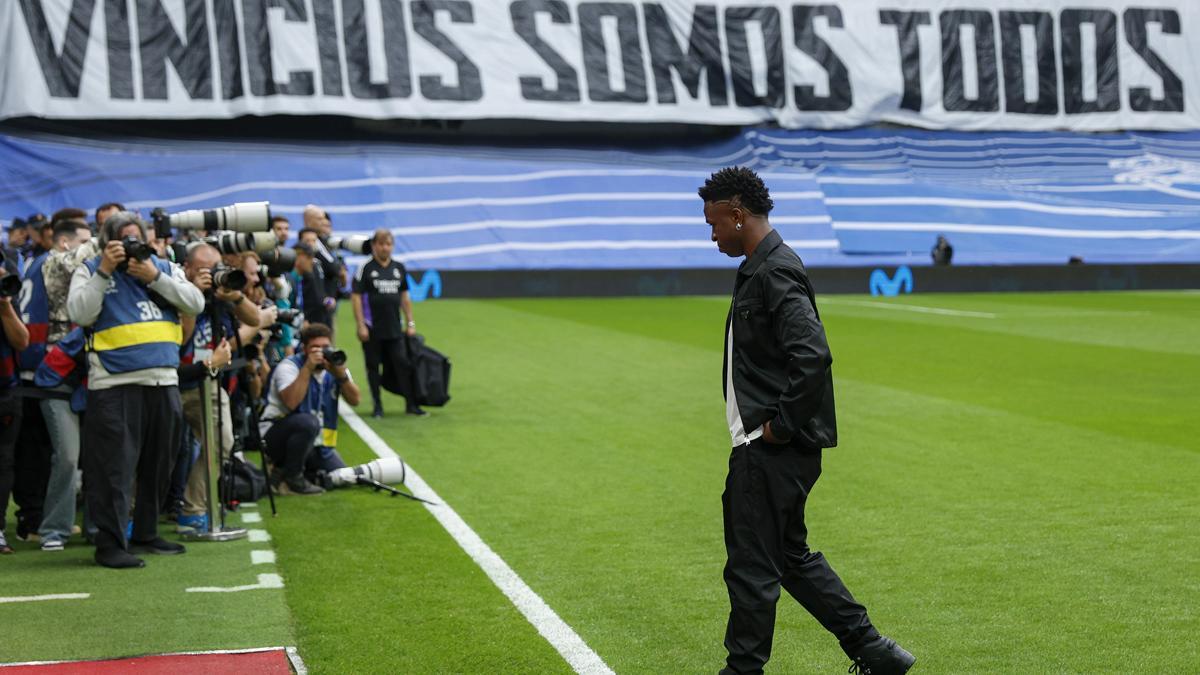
(228, 278)
(242, 217)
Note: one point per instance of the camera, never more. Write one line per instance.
(136, 249)
(335, 357)
(243, 217)
(228, 278)
(289, 315)
(238, 242)
(278, 261)
(10, 285)
(353, 244)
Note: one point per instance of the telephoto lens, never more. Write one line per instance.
(353, 244)
(244, 217)
(10, 286)
(237, 242)
(136, 249)
(228, 278)
(279, 261)
(335, 357)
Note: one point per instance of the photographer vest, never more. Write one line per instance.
(319, 401)
(133, 332)
(35, 314)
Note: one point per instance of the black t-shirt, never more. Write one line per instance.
(381, 287)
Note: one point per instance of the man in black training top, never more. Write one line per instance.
(384, 283)
(778, 387)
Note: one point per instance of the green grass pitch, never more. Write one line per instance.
(1017, 490)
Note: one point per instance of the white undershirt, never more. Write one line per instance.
(737, 430)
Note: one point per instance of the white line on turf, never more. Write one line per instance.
(293, 655)
(910, 308)
(52, 596)
(262, 557)
(264, 581)
(556, 631)
(251, 518)
(250, 650)
(258, 535)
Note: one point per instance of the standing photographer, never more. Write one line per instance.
(380, 296)
(205, 350)
(302, 408)
(13, 338)
(131, 302)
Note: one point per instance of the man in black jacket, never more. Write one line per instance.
(778, 385)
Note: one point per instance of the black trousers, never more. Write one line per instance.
(766, 543)
(389, 354)
(289, 442)
(10, 426)
(31, 466)
(130, 433)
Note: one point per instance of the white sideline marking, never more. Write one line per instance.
(293, 655)
(262, 557)
(251, 518)
(248, 505)
(264, 581)
(258, 535)
(911, 308)
(250, 650)
(562, 637)
(52, 596)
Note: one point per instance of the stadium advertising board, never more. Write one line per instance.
(1014, 64)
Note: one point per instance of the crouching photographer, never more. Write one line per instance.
(301, 410)
(130, 303)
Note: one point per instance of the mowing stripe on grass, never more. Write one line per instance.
(909, 308)
(561, 636)
(52, 596)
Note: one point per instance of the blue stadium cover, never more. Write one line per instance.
(860, 197)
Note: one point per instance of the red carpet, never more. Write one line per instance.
(268, 662)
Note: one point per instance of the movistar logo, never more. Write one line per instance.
(430, 286)
(881, 284)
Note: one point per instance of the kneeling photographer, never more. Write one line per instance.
(301, 408)
(205, 350)
(130, 303)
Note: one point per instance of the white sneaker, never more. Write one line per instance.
(4, 547)
(53, 544)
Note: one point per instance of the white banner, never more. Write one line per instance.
(1019, 64)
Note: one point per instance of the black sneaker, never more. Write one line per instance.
(157, 546)
(378, 411)
(881, 656)
(115, 558)
(416, 412)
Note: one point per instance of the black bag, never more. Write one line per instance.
(433, 377)
(249, 483)
(428, 368)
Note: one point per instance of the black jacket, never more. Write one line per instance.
(782, 369)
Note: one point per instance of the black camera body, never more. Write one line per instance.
(334, 357)
(289, 315)
(10, 285)
(136, 249)
(228, 278)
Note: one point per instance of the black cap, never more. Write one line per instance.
(16, 223)
(305, 248)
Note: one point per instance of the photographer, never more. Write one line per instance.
(302, 408)
(309, 285)
(62, 422)
(13, 338)
(205, 350)
(131, 303)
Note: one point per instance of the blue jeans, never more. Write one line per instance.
(58, 513)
